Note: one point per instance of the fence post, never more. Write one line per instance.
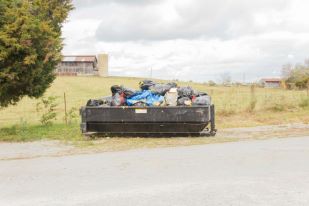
(253, 99)
(252, 92)
(65, 108)
(308, 88)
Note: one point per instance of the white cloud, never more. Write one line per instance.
(194, 39)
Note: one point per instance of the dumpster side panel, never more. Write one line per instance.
(136, 128)
(147, 114)
(146, 120)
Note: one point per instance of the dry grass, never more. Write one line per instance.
(234, 105)
(228, 135)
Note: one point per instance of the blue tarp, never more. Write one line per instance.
(145, 96)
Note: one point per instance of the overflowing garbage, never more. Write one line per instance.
(152, 94)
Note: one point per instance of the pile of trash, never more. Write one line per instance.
(153, 94)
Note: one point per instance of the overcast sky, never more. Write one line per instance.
(191, 39)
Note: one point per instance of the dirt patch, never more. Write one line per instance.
(12, 151)
(261, 132)
(9, 151)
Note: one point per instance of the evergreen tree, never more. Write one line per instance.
(30, 46)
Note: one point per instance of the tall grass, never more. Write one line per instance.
(304, 103)
(228, 100)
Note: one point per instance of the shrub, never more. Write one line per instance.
(72, 115)
(48, 107)
(304, 102)
(252, 105)
(277, 107)
(211, 83)
(298, 77)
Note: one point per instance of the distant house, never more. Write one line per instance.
(78, 65)
(271, 82)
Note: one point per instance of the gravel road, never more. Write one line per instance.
(264, 172)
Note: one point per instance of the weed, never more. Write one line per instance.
(226, 112)
(304, 103)
(277, 107)
(252, 105)
(72, 115)
(48, 107)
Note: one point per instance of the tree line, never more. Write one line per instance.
(296, 76)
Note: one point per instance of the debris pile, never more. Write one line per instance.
(152, 94)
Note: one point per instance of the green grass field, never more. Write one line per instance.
(236, 106)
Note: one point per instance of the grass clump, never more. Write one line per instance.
(252, 105)
(277, 107)
(226, 112)
(19, 133)
(304, 103)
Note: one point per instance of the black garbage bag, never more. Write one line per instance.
(185, 92)
(161, 89)
(198, 93)
(107, 101)
(202, 100)
(202, 94)
(128, 92)
(172, 84)
(116, 89)
(184, 101)
(146, 84)
(118, 100)
(94, 102)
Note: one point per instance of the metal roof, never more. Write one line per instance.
(86, 58)
(271, 80)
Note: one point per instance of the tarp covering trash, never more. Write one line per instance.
(146, 97)
(152, 94)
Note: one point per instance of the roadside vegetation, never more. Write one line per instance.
(30, 46)
(27, 132)
(296, 76)
(236, 106)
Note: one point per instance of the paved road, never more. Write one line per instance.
(269, 172)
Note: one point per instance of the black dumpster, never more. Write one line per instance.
(148, 121)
